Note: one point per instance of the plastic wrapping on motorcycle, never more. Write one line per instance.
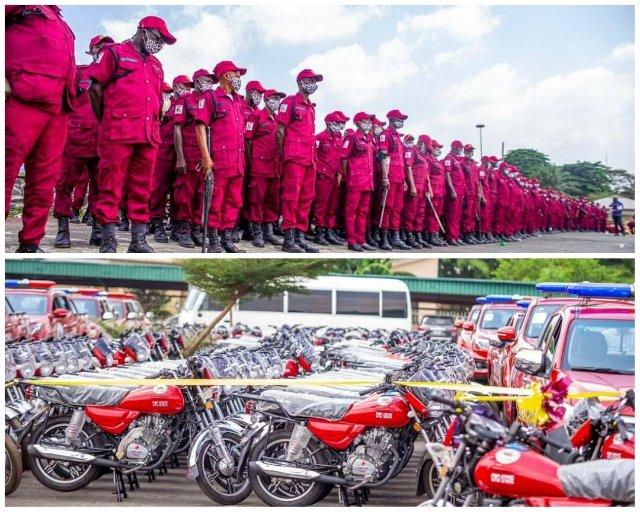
(605, 479)
(298, 404)
(86, 395)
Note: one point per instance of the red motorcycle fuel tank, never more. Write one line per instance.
(335, 434)
(112, 420)
(379, 411)
(159, 399)
(516, 471)
(614, 447)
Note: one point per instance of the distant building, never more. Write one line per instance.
(629, 206)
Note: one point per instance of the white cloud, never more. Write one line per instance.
(623, 53)
(587, 112)
(463, 23)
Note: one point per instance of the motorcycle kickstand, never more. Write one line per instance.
(132, 480)
(175, 463)
(119, 488)
(343, 496)
(162, 470)
(151, 475)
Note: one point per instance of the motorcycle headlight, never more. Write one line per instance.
(27, 369)
(60, 367)
(45, 368)
(10, 372)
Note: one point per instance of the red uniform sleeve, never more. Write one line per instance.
(409, 157)
(383, 142)
(448, 165)
(347, 147)
(104, 67)
(180, 111)
(203, 109)
(250, 125)
(284, 112)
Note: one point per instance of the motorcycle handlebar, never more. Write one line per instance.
(454, 404)
(547, 440)
(378, 387)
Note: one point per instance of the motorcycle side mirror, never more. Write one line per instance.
(506, 333)
(132, 315)
(60, 313)
(529, 360)
(469, 326)
(108, 315)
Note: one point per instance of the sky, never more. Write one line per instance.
(559, 79)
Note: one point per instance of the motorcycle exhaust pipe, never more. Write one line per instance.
(295, 473)
(52, 453)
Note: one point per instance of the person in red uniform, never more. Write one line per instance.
(126, 95)
(394, 175)
(488, 184)
(80, 154)
(263, 183)
(373, 231)
(328, 178)
(40, 90)
(296, 143)
(472, 197)
(164, 175)
(415, 157)
(454, 177)
(357, 159)
(434, 215)
(222, 110)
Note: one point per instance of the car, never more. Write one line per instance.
(472, 317)
(95, 304)
(16, 323)
(51, 312)
(438, 327)
(494, 313)
(497, 346)
(591, 341)
(128, 311)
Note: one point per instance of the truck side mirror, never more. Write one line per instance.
(469, 326)
(529, 360)
(60, 313)
(506, 333)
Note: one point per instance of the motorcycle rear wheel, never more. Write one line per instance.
(12, 465)
(266, 487)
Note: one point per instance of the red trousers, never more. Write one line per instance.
(326, 201)
(72, 185)
(414, 210)
(486, 216)
(297, 194)
(453, 217)
(393, 208)
(128, 169)
(356, 212)
(470, 212)
(187, 194)
(431, 222)
(164, 176)
(226, 201)
(263, 199)
(36, 139)
(500, 218)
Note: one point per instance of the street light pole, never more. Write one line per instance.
(480, 127)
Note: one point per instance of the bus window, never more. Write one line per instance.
(275, 304)
(357, 303)
(315, 301)
(394, 305)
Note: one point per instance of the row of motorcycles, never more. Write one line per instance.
(349, 421)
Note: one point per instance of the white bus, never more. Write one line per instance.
(333, 301)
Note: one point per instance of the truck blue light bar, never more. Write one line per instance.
(481, 300)
(502, 299)
(523, 303)
(601, 290)
(552, 287)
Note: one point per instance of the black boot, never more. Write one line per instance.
(320, 237)
(355, 247)
(268, 235)
(184, 235)
(384, 241)
(75, 219)
(375, 235)
(300, 240)
(422, 240)
(256, 237)
(63, 238)
(156, 228)
(173, 226)
(108, 242)
(214, 241)
(96, 234)
(339, 235)
(368, 247)
(371, 242)
(227, 241)
(196, 235)
(124, 221)
(289, 244)
(247, 230)
(396, 243)
(138, 241)
(468, 239)
(277, 229)
(87, 218)
(29, 248)
(332, 238)
(412, 240)
(234, 234)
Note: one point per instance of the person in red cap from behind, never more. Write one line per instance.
(393, 179)
(373, 230)
(40, 90)
(328, 178)
(164, 175)
(263, 183)
(296, 143)
(126, 94)
(222, 110)
(472, 197)
(454, 177)
(415, 157)
(357, 156)
(80, 159)
(437, 181)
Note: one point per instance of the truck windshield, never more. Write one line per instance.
(538, 317)
(28, 303)
(495, 318)
(601, 346)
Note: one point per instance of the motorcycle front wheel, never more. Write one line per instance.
(12, 465)
(279, 492)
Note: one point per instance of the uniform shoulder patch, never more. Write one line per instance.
(249, 125)
(407, 154)
(178, 109)
(283, 107)
(345, 145)
(201, 103)
(382, 137)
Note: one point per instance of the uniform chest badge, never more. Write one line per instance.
(382, 137)
(201, 103)
(283, 107)
(178, 109)
(346, 144)
(249, 125)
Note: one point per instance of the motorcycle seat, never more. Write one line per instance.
(600, 479)
(83, 395)
(310, 406)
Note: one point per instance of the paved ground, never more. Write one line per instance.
(549, 243)
(174, 490)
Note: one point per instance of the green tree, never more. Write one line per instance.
(589, 179)
(154, 300)
(227, 280)
(622, 183)
(368, 266)
(469, 268)
(535, 164)
(565, 270)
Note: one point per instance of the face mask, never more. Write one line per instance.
(256, 98)
(272, 104)
(422, 148)
(333, 127)
(456, 151)
(365, 126)
(205, 84)
(377, 130)
(397, 123)
(151, 45)
(309, 87)
(437, 152)
(341, 126)
(468, 155)
(181, 91)
(236, 83)
(166, 96)
(408, 144)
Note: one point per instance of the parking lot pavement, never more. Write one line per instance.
(548, 243)
(174, 490)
